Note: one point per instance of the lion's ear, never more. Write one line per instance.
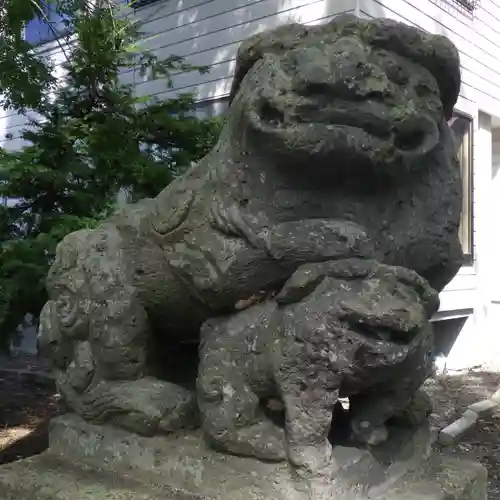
(436, 53)
(443, 61)
(458, 130)
(275, 41)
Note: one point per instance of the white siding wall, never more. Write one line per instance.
(205, 32)
(210, 32)
(493, 310)
(495, 179)
(494, 212)
(11, 123)
(496, 153)
(494, 225)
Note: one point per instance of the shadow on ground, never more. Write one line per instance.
(33, 443)
(26, 406)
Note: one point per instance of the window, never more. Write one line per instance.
(211, 108)
(470, 5)
(142, 3)
(461, 126)
(46, 27)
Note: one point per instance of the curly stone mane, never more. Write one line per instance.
(435, 53)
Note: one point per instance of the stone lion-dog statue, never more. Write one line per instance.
(308, 248)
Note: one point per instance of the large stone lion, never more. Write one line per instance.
(336, 147)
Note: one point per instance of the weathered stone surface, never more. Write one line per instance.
(184, 463)
(87, 462)
(45, 477)
(442, 478)
(311, 244)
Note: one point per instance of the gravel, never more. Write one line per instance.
(451, 395)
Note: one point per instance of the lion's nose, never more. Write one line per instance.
(370, 81)
(324, 75)
(349, 87)
(311, 67)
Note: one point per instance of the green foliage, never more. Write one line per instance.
(94, 138)
(24, 76)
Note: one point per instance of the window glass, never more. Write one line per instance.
(462, 128)
(46, 27)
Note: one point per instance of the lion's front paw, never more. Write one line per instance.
(145, 406)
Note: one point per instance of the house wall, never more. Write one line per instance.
(493, 310)
(210, 32)
(492, 210)
(12, 123)
(495, 174)
(204, 32)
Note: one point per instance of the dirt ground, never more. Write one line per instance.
(27, 404)
(451, 394)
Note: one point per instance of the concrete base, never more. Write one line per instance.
(87, 462)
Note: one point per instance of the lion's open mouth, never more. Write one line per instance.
(415, 136)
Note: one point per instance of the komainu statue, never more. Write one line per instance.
(297, 263)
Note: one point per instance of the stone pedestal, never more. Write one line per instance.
(87, 462)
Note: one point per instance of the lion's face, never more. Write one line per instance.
(342, 101)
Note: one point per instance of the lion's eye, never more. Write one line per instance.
(271, 115)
